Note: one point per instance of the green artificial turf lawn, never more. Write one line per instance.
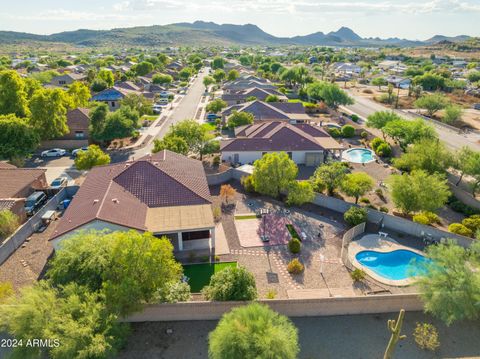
(247, 216)
(199, 274)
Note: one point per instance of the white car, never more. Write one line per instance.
(54, 152)
(75, 151)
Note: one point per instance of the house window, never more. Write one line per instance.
(190, 236)
(62, 82)
(113, 103)
(79, 134)
(289, 155)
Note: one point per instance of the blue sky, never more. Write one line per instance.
(384, 18)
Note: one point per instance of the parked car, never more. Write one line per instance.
(34, 202)
(212, 117)
(75, 151)
(165, 94)
(157, 109)
(477, 106)
(54, 152)
(163, 101)
(59, 182)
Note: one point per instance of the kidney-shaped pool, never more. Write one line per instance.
(395, 265)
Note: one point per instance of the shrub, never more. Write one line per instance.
(355, 215)
(8, 223)
(377, 141)
(472, 223)
(294, 245)
(348, 131)
(357, 275)
(384, 150)
(216, 161)
(371, 206)
(6, 290)
(217, 213)
(247, 183)
(432, 217)
(271, 294)
(364, 134)
(421, 218)
(231, 283)
(460, 229)
(379, 192)
(334, 132)
(383, 209)
(426, 336)
(461, 207)
(175, 292)
(364, 200)
(295, 266)
(354, 118)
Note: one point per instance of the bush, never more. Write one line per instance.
(175, 292)
(432, 217)
(383, 209)
(217, 213)
(377, 141)
(364, 134)
(357, 275)
(295, 266)
(421, 218)
(379, 192)
(271, 294)
(426, 336)
(472, 223)
(348, 131)
(8, 223)
(247, 183)
(216, 161)
(364, 200)
(461, 207)
(354, 118)
(231, 283)
(460, 229)
(334, 132)
(294, 245)
(355, 216)
(384, 150)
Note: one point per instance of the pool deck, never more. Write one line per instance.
(373, 242)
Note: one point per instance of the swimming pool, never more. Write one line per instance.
(396, 265)
(359, 155)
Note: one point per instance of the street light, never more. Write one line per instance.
(263, 212)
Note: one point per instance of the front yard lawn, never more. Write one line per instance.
(199, 274)
(247, 216)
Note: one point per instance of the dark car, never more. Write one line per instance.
(212, 117)
(34, 202)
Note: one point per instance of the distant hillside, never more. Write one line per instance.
(206, 33)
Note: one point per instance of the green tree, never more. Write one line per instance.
(452, 114)
(432, 103)
(357, 184)
(430, 81)
(162, 79)
(143, 68)
(139, 103)
(355, 215)
(329, 93)
(98, 85)
(79, 93)
(232, 75)
(49, 109)
(273, 173)
(9, 222)
(407, 132)
(253, 331)
(473, 76)
(231, 283)
(74, 317)
(216, 105)
(467, 162)
(172, 143)
(6, 290)
(208, 80)
(219, 75)
(239, 119)
(17, 138)
(419, 191)
(92, 157)
(450, 282)
(271, 98)
(380, 119)
(117, 125)
(185, 73)
(106, 76)
(379, 81)
(428, 155)
(299, 193)
(13, 95)
(330, 175)
(192, 133)
(98, 116)
(218, 63)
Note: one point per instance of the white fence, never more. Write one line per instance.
(25, 230)
(290, 307)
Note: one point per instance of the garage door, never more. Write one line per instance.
(313, 158)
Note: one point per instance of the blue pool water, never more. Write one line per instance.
(359, 155)
(395, 265)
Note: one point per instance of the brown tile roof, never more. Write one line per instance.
(271, 111)
(275, 136)
(78, 119)
(4, 164)
(123, 193)
(14, 180)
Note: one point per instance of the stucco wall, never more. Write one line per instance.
(290, 307)
(251, 156)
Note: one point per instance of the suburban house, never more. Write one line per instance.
(241, 96)
(346, 68)
(67, 79)
(17, 185)
(392, 66)
(78, 121)
(305, 144)
(112, 97)
(399, 82)
(243, 84)
(270, 111)
(165, 193)
(175, 65)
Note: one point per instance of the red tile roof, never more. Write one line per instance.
(13, 180)
(122, 193)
